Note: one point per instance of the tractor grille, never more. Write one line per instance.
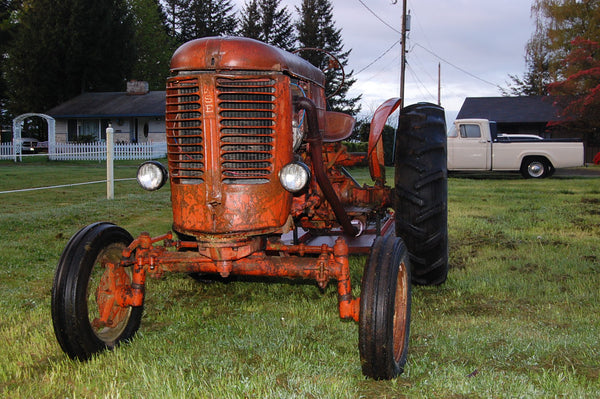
(185, 141)
(246, 129)
(247, 120)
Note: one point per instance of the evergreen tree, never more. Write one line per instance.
(153, 45)
(266, 21)
(277, 25)
(100, 47)
(7, 27)
(174, 11)
(250, 25)
(208, 18)
(63, 48)
(316, 29)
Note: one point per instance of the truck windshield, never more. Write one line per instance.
(452, 132)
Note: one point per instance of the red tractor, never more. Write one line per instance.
(259, 187)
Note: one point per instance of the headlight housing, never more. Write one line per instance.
(294, 176)
(297, 133)
(152, 175)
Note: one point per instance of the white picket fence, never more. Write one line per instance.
(6, 151)
(96, 151)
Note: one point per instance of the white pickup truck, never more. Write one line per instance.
(475, 145)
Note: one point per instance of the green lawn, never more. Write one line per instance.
(518, 316)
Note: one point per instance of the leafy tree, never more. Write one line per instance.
(361, 129)
(563, 22)
(316, 29)
(266, 21)
(153, 45)
(537, 77)
(207, 18)
(557, 24)
(578, 94)
(361, 135)
(61, 49)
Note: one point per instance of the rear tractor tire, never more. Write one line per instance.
(421, 191)
(82, 282)
(384, 318)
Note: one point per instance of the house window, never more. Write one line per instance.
(104, 124)
(72, 129)
(90, 128)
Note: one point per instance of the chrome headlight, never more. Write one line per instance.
(294, 176)
(152, 175)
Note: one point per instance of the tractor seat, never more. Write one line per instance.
(338, 126)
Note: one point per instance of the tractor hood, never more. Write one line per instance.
(241, 54)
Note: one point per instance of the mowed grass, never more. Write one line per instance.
(518, 316)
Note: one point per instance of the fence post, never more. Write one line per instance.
(110, 176)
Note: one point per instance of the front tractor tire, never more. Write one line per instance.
(384, 318)
(82, 283)
(421, 191)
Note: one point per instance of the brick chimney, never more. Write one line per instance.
(137, 87)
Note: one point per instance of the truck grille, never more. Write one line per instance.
(246, 129)
(246, 108)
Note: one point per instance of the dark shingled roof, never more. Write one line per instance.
(112, 105)
(532, 109)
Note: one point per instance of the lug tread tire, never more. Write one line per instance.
(421, 191)
(377, 309)
(69, 292)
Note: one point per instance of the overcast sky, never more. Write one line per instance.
(478, 43)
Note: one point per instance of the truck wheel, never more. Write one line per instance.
(421, 191)
(536, 168)
(78, 290)
(384, 317)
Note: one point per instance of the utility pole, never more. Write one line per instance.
(405, 28)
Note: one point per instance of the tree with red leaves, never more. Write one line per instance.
(578, 94)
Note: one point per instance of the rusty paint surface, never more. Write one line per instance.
(240, 134)
(236, 53)
(290, 262)
(233, 105)
(375, 151)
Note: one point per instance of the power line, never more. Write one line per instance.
(455, 66)
(392, 64)
(379, 18)
(378, 58)
(416, 77)
(421, 46)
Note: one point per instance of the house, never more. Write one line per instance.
(523, 115)
(137, 116)
(515, 115)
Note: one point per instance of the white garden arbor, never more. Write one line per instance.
(18, 125)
